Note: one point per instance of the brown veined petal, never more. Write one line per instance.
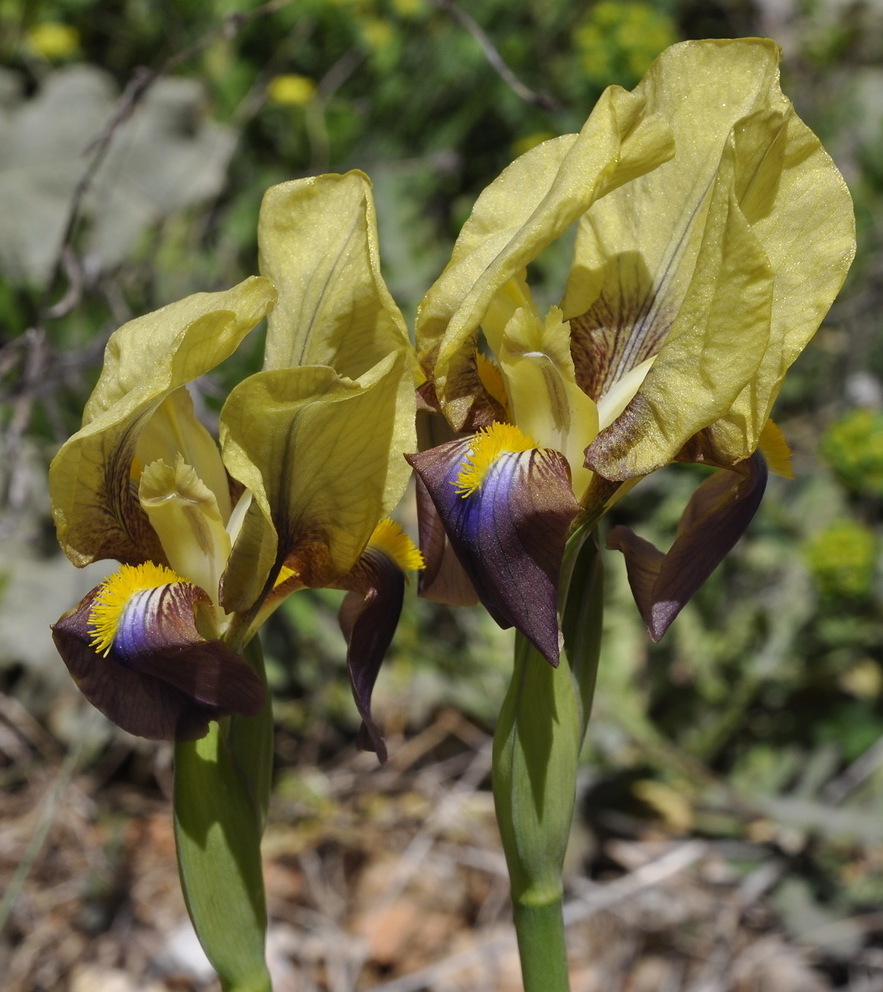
(717, 515)
(94, 504)
(529, 206)
(719, 265)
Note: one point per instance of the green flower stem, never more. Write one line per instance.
(542, 946)
(535, 763)
(222, 785)
(536, 747)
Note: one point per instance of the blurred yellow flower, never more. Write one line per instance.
(378, 34)
(53, 40)
(291, 90)
(408, 8)
(842, 559)
(622, 39)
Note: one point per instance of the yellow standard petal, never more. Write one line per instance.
(530, 205)
(718, 265)
(318, 244)
(96, 512)
(320, 453)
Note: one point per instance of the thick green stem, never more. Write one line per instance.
(221, 792)
(536, 747)
(541, 946)
(535, 763)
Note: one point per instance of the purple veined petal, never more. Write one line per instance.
(508, 532)
(443, 580)
(717, 515)
(164, 681)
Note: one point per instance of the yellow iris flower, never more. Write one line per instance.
(211, 535)
(712, 234)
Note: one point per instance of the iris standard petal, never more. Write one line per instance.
(716, 517)
(531, 204)
(317, 240)
(721, 263)
(318, 452)
(95, 507)
(158, 678)
(509, 530)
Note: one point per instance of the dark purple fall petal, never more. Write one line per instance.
(509, 534)
(368, 618)
(717, 515)
(162, 692)
(443, 580)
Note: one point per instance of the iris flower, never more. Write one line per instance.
(712, 235)
(210, 536)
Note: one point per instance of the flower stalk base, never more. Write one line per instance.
(536, 758)
(222, 785)
(542, 946)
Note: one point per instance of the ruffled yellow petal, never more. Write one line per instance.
(531, 204)
(316, 451)
(318, 244)
(96, 511)
(720, 263)
(174, 431)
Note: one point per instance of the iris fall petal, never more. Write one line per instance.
(509, 533)
(368, 618)
(168, 681)
(716, 517)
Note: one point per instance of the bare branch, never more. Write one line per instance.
(496, 61)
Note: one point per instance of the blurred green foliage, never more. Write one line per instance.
(768, 685)
(841, 559)
(853, 447)
(617, 41)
